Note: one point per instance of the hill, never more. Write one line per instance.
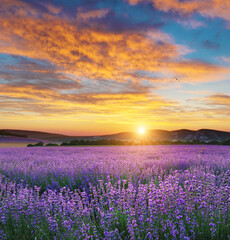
(202, 135)
(13, 139)
(33, 134)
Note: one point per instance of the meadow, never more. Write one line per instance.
(119, 192)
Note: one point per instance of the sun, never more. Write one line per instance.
(141, 130)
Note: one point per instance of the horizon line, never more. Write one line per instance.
(7, 129)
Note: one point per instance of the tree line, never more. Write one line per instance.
(105, 142)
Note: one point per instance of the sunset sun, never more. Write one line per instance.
(141, 130)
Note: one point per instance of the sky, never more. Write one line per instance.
(92, 67)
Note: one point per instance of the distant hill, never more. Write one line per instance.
(7, 133)
(34, 134)
(202, 135)
(13, 139)
(205, 135)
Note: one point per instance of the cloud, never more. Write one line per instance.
(29, 99)
(219, 100)
(24, 71)
(224, 59)
(198, 71)
(191, 23)
(53, 9)
(88, 53)
(207, 8)
(82, 52)
(91, 14)
(210, 45)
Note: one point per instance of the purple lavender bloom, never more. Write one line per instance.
(149, 192)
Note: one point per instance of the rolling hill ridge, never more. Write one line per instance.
(202, 135)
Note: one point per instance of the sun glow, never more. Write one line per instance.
(141, 130)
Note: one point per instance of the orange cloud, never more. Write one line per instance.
(207, 8)
(198, 71)
(29, 101)
(219, 99)
(89, 53)
(87, 15)
(19, 104)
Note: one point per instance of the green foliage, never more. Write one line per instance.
(104, 142)
(227, 142)
(39, 144)
(95, 142)
(51, 145)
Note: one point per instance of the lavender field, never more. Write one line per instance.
(128, 192)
